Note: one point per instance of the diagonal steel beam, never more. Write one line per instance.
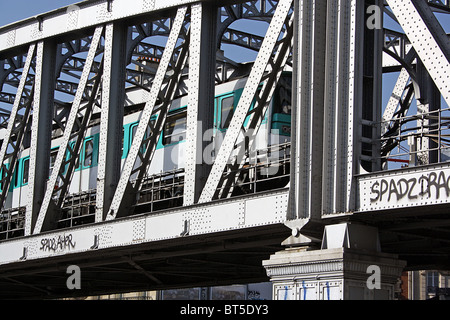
(16, 128)
(428, 39)
(41, 130)
(395, 99)
(263, 98)
(125, 190)
(65, 162)
(251, 87)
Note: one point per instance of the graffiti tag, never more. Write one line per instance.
(58, 243)
(432, 185)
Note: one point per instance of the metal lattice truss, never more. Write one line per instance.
(216, 181)
(413, 53)
(12, 141)
(53, 85)
(149, 144)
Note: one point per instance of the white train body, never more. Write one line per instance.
(169, 153)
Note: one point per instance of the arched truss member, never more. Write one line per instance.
(74, 130)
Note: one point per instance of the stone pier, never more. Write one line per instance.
(348, 266)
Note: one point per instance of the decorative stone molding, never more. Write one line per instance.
(299, 269)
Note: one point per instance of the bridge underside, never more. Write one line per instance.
(208, 260)
(420, 236)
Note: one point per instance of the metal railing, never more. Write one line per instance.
(266, 169)
(12, 223)
(78, 209)
(161, 191)
(417, 139)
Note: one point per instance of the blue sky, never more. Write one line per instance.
(11, 11)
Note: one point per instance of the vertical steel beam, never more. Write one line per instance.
(112, 104)
(243, 106)
(55, 187)
(41, 130)
(336, 63)
(125, 190)
(200, 109)
(428, 39)
(376, 46)
(343, 104)
(16, 127)
(308, 103)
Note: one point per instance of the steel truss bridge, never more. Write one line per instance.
(350, 157)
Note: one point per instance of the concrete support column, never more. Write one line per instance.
(349, 266)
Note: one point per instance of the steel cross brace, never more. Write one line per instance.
(428, 39)
(395, 99)
(16, 127)
(67, 154)
(256, 115)
(142, 148)
(404, 77)
(243, 106)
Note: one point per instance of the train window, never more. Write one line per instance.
(175, 129)
(77, 161)
(16, 175)
(53, 155)
(123, 132)
(283, 96)
(133, 131)
(227, 110)
(26, 170)
(88, 152)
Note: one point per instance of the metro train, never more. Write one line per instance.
(274, 129)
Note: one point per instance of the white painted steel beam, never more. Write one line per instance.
(395, 99)
(41, 130)
(85, 14)
(428, 39)
(421, 186)
(343, 103)
(16, 127)
(111, 123)
(55, 187)
(308, 110)
(233, 215)
(124, 187)
(200, 108)
(241, 111)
